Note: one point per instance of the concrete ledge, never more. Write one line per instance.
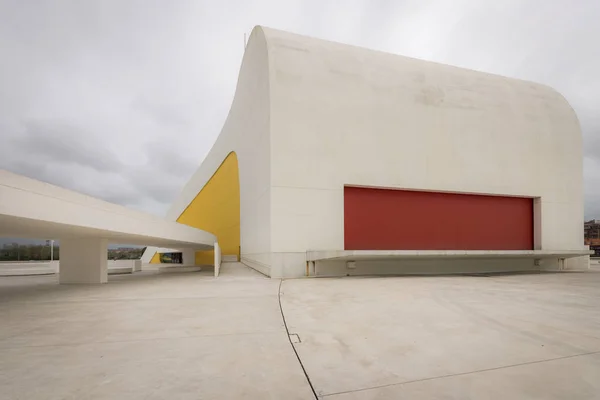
(49, 268)
(179, 268)
(120, 270)
(372, 255)
(28, 268)
(27, 271)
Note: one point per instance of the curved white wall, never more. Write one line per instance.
(246, 131)
(346, 115)
(310, 116)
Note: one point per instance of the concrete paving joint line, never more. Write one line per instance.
(312, 388)
(459, 374)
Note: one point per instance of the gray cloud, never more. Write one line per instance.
(164, 175)
(51, 141)
(122, 99)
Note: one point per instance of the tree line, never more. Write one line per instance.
(43, 253)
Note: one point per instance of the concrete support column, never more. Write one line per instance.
(217, 258)
(188, 257)
(83, 261)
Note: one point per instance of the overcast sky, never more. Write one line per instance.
(123, 99)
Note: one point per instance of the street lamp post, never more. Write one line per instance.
(51, 244)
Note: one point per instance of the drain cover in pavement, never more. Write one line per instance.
(295, 338)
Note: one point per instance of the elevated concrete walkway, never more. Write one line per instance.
(35, 209)
(85, 226)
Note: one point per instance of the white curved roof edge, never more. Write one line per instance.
(31, 208)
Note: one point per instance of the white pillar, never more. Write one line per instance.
(83, 261)
(188, 257)
(217, 258)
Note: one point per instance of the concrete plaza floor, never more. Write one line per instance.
(147, 336)
(193, 336)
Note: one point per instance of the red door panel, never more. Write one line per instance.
(384, 219)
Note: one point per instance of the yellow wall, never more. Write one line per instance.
(216, 209)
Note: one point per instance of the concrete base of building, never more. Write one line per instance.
(261, 266)
(349, 263)
(400, 262)
(426, 267)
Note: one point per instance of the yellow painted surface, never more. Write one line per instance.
(216, 209)
(155, 259)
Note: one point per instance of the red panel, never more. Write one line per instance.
(382, 219)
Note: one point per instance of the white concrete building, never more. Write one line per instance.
(338, 160)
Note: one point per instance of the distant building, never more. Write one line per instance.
(591, 234)
(591, 229)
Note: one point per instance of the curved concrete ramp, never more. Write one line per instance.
(30, 208)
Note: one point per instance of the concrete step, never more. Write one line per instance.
(179, 268)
